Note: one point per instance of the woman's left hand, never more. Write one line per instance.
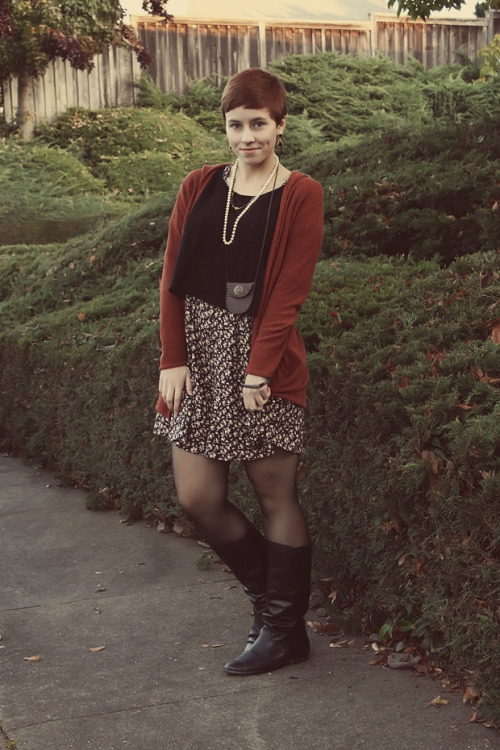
(256, 398)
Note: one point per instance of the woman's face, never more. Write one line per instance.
(252, 135)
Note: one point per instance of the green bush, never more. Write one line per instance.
(403, 440)
(49, 196)
(99, 136)
(101, 273)
(427, 192)
(361, 95)
(403, 451)
(200, 103)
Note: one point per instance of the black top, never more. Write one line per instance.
(200, 268)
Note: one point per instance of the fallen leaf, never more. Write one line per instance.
(32, 658)
(96, 649)
(323, 628)
(471, 694)
(381, 660)
(432, 460)
(438, 701)
(476, 718)
(456, 296)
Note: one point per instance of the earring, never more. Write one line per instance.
(279, 141)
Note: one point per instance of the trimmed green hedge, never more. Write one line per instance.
(431, 192)
(401, 474)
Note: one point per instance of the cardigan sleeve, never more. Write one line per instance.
(172, 323)
(303, 238)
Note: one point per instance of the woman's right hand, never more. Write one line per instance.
(173, 382)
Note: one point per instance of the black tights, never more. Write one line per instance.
(202, 486)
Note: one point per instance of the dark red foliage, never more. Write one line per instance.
(157, 8)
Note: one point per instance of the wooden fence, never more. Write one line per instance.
(188, 49)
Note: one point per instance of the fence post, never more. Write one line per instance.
(373, 35)
(262, 45)
(493, 28)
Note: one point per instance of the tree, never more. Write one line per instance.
(423, 8)
(481, 8)
(33, 33)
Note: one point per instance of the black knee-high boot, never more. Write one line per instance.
(283, 638)
(247, 558)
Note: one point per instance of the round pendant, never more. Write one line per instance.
(238, 289)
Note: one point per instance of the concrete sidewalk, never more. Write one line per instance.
(72, 581)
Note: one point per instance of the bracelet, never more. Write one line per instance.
(260, 385)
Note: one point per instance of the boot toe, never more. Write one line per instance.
(269, 652)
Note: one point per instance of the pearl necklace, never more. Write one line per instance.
(245, 209)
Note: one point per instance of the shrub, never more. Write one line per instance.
(103, 135)
(49, 196)
(360, 95)
(200, 103)
(490, 56)
(404, 450)
(427, 192)
(403, 446)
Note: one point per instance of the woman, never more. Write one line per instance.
(232, 371)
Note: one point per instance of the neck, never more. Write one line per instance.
(249, 179)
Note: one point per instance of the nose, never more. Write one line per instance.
(247, 135)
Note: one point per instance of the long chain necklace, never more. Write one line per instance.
(245, 208)
(237, 208)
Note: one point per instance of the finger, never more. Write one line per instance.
(189, 385)
(168, 398)
(260, 400)
(175, 405)
(248, 402)
(257, 405)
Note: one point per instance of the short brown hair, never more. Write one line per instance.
(255, 88)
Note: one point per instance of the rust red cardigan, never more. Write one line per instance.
(277, 350)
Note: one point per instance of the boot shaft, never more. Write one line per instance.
(288, 585)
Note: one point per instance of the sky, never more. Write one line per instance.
(324, 10)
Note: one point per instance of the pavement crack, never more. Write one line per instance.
(145, 707)
(4, 737)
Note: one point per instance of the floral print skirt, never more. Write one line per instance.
(213, 422)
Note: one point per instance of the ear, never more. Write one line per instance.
(282, 125)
